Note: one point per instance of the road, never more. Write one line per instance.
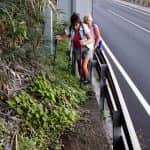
(127, 33)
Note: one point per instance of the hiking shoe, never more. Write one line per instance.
(86, 81)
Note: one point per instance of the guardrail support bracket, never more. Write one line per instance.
(117, 144)
(102, 86)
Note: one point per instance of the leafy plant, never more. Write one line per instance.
(7, 129)
(56, 94)
(17, 19)
(43, 89)
(59, 26)
(48, 125)
(34, 115)
(27, 144)
(62, 118)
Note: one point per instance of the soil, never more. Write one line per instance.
(89, 132)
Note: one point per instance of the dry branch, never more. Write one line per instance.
(13, 139)
(52, 5)
(12, 118)
(20, 68)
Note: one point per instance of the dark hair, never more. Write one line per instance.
(75, 18)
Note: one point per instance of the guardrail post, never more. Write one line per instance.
(54, 53)
(117, 142)
(92, 64)
(102, 86)
(73, 64)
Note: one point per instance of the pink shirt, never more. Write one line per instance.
(94, 35)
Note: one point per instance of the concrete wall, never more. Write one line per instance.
(65, 6)
(82, 7)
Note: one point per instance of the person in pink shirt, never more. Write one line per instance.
(94, 30)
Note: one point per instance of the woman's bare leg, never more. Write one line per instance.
(79, 68)
(85, 68)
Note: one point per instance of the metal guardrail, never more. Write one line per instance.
(124, 135)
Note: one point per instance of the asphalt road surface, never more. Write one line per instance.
(127, 33)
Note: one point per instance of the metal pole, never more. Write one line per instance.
(51, 30)
(92, 8)
(91, 66)
(117, 144)
(48, 31)
(81, 70)
(71, 6)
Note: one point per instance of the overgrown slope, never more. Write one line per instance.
(39, 98)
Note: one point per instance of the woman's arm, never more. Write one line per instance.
(88, 41)
(61, 37)
(98, 36)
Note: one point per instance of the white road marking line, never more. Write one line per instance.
(136, 10)
(125, 19)
(133, 136)
(130, 7)
(135, 90)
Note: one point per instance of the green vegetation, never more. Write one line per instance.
(48, 108)
(39, 97)
(23, 20)
(21, 30)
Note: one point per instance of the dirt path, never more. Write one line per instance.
(88, 133)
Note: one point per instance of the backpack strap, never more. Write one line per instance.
(83, 29)
(70, 28)
(94, 30)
